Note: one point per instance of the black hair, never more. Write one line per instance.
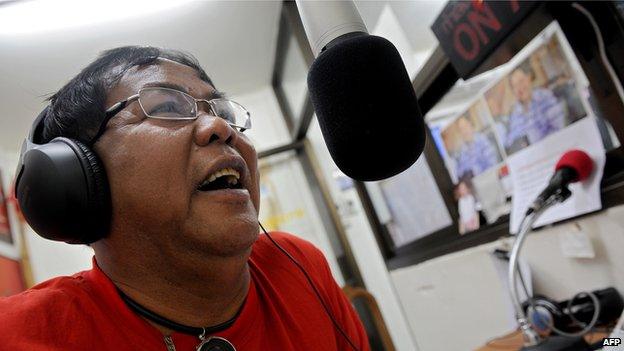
(525, 67)
(77, 110)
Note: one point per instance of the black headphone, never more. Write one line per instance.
(62, 188)
(546, 315)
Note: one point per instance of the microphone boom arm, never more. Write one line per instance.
(531, 337)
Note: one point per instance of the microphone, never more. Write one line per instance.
(361, 93)
(573, 166)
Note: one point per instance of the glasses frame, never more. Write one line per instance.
(118, 106)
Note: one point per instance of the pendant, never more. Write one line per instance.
(215, 343)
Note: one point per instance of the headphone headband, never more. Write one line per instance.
(29, 142)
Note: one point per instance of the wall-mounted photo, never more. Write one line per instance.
(467, 207)
(537, 98)
(470, 143)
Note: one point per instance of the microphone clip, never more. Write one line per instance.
(556, 191)
(557, 195)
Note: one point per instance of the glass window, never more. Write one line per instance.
(294, 79)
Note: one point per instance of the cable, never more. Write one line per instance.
(592, 323)
(601, 50)
(316, 292)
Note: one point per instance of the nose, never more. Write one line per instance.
(210, 129)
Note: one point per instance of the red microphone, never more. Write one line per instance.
(573, 166)
(579, 161)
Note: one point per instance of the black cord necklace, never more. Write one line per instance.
(199, 332)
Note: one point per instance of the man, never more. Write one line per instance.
(477, 153)
(536, 114)
(183, 261)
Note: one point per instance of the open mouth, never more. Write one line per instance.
(226, 178)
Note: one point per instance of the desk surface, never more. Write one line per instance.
(513, 341)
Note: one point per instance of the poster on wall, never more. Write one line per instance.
(470, 143)
(539, 97)
(11, 277)
(5, 225)
(541, 92)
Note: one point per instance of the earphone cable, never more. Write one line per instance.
(588, 327)
(316, 292)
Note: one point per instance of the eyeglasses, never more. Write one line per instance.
(171, 104)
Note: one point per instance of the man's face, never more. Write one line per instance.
(156, 166)
(465, 129)
(521, 86)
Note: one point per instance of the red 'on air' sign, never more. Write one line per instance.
(469, 31)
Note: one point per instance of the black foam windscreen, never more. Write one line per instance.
(366, 108)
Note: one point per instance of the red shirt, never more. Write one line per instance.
(281, 312)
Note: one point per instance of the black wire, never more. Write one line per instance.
(158, 319)
(318, 295)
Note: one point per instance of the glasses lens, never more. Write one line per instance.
(232, 112)
(166, 103)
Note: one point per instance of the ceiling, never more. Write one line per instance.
(415, 17)
(233, 40)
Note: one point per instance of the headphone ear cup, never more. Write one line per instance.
(540, 318)
(97, 182)
(63, 192)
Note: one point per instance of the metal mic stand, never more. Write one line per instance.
(532, 340)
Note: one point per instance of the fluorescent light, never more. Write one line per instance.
(35, 16)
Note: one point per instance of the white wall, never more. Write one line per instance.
(457, 302)
(267, 124)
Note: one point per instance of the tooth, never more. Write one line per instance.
(232, 176)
